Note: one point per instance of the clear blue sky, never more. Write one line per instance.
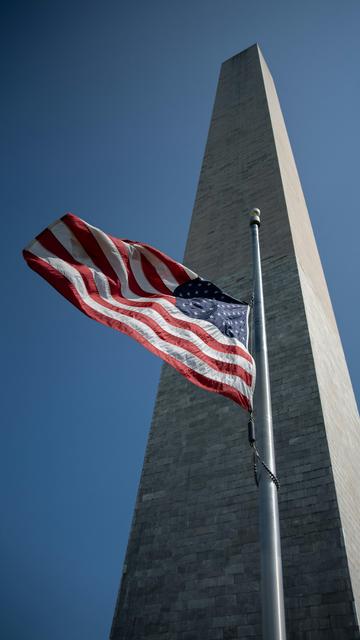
(105, 109)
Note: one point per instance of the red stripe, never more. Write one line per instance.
(65, 287)
(176, 269)
(133, 283)
(50, 242)
(153, 277)
(84, 236)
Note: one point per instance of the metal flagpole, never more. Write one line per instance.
(272, 596)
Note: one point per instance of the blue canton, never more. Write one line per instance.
(203, 300)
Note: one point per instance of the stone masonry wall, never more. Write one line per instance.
(192, 566)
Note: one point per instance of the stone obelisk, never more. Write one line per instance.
(192, 567)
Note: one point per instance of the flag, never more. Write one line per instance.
(132, 287)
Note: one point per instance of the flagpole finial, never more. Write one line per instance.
(255, 217)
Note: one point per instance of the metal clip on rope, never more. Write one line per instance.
(256, 455)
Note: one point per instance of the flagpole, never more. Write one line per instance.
(272, 596)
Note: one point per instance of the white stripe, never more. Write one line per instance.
(134, 256)
(70, 242)
(192, 275)
(113, 255)
(161, 267)
(164, 272)
(180, 354)
(72, 245)
(115, 260)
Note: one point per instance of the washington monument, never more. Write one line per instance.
(192, 568)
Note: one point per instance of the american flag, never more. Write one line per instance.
(132, 287)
